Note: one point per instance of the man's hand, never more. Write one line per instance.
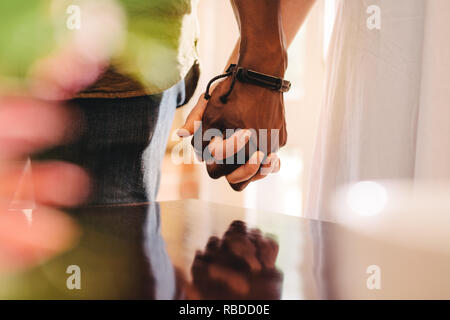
(256, 168)
(248, 154)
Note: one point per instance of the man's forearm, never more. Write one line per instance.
(293, 15)
(262, 44)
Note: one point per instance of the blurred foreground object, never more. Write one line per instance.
(24, 243)
(30, 232)
(54, 49)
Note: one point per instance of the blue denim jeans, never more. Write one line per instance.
(122, 144)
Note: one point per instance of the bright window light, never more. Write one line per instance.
(367, 198)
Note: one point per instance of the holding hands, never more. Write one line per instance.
(243, 124)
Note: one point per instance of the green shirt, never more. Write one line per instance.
(157, 49)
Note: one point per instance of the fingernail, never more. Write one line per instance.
(268, 160)
(256, 158)
(182, 133)
(245, 135)
(260, 157)
(198, 155)
(279, 164)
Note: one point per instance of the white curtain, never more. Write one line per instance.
(433, 141)
(385, 113)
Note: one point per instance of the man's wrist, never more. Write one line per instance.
(262, 46)
(271, 61)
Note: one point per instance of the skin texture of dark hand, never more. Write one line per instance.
(251, 107)
(261, 48)
(241, 265)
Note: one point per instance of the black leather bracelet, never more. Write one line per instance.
(249, 76)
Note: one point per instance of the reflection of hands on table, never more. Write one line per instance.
(241, 265)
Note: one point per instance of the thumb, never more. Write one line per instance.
(195, 115)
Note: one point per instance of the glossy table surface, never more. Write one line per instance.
(182, 250)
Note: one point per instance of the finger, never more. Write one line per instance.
(241, 247)
(267, 252)
(248, 170)
(213, 244)
(194, 116)
(266, 247)
(237, 226)
(274, 247)
(62, 75)
(221, 149)
(270, 165)
(27, 125)
(84, 56)
(23, 244)
(60, 184)
(232, 279)
(52, 183)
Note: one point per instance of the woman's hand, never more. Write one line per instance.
(257, 166)
(239, 136)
